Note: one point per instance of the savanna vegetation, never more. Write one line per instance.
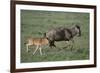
(35, 23)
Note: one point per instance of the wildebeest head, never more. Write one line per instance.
(78, 30)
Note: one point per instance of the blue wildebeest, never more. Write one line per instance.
(62, 34)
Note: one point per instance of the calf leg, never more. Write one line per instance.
(27, 47)
(40, 51)
(35, 49)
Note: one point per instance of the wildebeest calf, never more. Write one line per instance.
(62, 34)
(38, 42)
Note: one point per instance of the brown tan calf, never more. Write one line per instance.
(38, 42)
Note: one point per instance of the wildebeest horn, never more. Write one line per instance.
(79, 29)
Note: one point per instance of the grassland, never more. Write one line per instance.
(35, 23)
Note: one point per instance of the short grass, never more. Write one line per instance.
(35, 23)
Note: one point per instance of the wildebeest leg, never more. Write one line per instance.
(67, 44)
(72, 44)
(51, 44)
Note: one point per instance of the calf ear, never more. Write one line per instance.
(44, 35)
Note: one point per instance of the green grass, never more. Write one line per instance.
(35, 23)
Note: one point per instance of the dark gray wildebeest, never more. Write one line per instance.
(62, 34)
